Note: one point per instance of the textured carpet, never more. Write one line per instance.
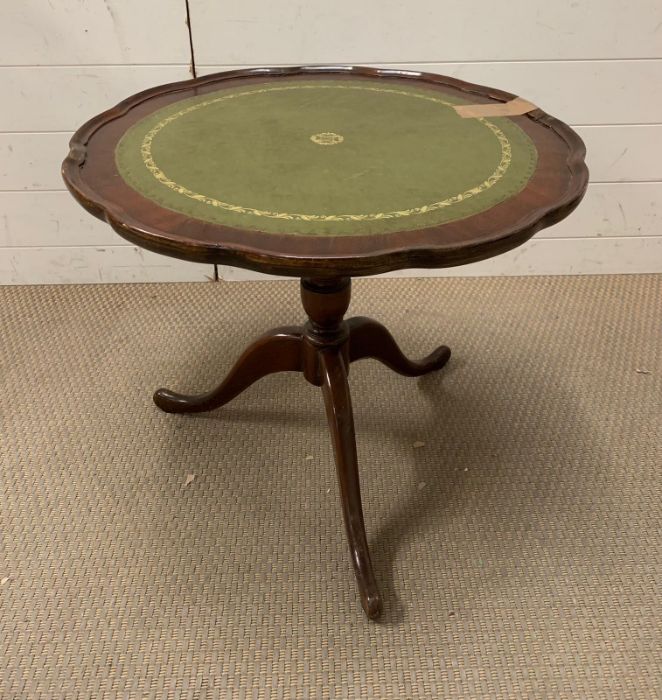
(512, 500)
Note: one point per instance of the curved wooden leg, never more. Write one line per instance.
(368, 338)
(335, 388)
(280, 350)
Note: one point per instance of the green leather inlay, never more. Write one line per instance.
(325, 157)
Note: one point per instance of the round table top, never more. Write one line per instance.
(326, 172)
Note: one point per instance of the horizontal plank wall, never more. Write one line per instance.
(374, 31)
(61, 63)
(93, 32)
(596, 64)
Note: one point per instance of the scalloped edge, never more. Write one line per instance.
(385, 258)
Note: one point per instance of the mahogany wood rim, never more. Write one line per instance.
(555, 189)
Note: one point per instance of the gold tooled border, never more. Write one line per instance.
(148, 160)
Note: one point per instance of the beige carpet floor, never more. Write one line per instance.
(513, 500)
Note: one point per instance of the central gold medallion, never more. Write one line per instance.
(327, 138)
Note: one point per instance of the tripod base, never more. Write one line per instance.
(322, 350)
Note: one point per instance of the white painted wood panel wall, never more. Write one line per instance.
(61, 63)
(597, 64)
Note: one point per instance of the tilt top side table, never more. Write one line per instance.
(326, 173)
